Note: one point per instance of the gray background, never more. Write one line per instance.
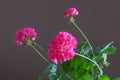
(99, 19)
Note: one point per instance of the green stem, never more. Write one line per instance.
(39, 54)
(107, 46)
(41, 48)
(101, 72)
(72, 20)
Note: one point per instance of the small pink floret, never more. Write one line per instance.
(61, 48)
(30, 33)
(25, 34)
(71, 12)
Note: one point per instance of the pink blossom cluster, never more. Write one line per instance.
(25, 34)
(61, 48)
(71, 12)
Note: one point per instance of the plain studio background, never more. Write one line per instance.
(99, 19)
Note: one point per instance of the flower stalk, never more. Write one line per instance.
(39, 53)
(73, 22)
(39, 46)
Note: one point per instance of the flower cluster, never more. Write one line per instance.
(25, 34)
(71, 12)
(78, 61)
(61, 48)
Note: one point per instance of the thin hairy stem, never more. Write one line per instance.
(73, 22)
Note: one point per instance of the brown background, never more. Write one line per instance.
(99, 19)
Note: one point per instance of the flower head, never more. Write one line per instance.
(71, 12)
(25, 34)
(29, 33)
(61, 48)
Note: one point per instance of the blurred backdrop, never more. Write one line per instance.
(99, 19)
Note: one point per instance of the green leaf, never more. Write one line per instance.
(102, 53)
(104, 77)
(118, 78)
(87, 76)
(52, 74)
(81, 45)
(110, 50)
(78, 67)
(44, 73)
(85, 50)
(103, 61)
(61, 75)
(107, 46)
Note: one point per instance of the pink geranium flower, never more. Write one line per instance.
(71, 12)
(19, 37)
(61, 48)
(24, 35)
(29, 33)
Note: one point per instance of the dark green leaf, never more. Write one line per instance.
(85, 50)
(61, 75)
(52, 74)
(110, 50)
(81, 45)
(104, 77)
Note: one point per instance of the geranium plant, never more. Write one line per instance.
(67, 58)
